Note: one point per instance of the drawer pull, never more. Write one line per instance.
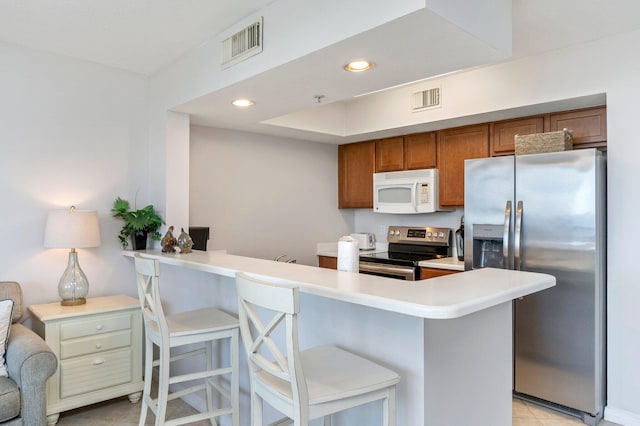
(98, 361)
(99, 327)
(98, 345)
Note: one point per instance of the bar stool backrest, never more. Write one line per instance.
(281, 304)
(148, 273)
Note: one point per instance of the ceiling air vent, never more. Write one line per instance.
(242, 45)
(425, 99)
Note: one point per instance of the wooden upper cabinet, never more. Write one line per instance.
(503, 133)
(389, 154)
(355, 175)
(588, 126)
(455, 146)
(420, 151)
(411, 152)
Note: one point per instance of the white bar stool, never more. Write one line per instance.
(302, 385)
(186, 328)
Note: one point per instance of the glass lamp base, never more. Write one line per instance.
(73, 286)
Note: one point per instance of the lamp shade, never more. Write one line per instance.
(72, 228)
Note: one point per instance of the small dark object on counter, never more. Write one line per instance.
(199, 235)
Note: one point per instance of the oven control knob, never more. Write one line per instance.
(441, 235)
(397, 233)
(429, 234)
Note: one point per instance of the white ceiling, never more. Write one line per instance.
(144, 36)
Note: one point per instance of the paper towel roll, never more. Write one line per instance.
(348, 254)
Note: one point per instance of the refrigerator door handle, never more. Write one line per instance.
(505, 235)
(517, 238)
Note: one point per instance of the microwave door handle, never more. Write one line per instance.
(517, 239)
(414, 196)
(505, 235)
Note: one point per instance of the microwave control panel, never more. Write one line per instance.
(425, 193)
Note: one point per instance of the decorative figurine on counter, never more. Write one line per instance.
(168, 241)
(185, 242)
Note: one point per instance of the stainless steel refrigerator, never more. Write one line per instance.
(546, 213)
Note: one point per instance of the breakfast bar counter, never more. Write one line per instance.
(449, 338)
(445, 297)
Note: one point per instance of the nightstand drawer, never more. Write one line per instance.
(91, 327)
(95, 344)
(94, 372)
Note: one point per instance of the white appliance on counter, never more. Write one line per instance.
(406, 192)
(366, 240)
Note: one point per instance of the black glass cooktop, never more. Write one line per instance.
(405, 254)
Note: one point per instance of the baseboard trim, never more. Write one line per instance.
(622, 417)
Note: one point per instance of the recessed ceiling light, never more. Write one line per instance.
(243, 103)
(358, 66)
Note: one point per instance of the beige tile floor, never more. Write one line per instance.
(120, 412)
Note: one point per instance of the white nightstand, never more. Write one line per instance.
(99, 350)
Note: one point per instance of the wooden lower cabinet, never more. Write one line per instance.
(355, 175)
(328, 262)
(426, 273)
(455, 146)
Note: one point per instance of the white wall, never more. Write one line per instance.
(71, 132)
(264, 196)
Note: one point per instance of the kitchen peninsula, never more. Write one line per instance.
(449, 338)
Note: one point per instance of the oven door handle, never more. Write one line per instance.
(407, 273)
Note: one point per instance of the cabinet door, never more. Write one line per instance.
(355, 175)
(455, 146)
(504, 132)
(426, 273)
(328, 262)
(420, 151)
(588, 126)
(389, 154)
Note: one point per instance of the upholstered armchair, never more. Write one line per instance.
(30, 362)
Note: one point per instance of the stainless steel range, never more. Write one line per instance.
(408, 245)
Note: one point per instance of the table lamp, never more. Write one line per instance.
(72, 229)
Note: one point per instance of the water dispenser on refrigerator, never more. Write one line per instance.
(487, 246)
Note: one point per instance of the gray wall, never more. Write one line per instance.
(263, 196)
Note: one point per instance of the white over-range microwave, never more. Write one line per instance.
(406, 192)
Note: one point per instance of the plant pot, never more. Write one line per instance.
(139, 242)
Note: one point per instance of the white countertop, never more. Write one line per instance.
(451, 263)
(450, 296)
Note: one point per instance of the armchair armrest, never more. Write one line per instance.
(30, 363)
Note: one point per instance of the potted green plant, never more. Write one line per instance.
(137, 224)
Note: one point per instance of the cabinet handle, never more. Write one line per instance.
(98, 361)
(99, 327)
(98, 345)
